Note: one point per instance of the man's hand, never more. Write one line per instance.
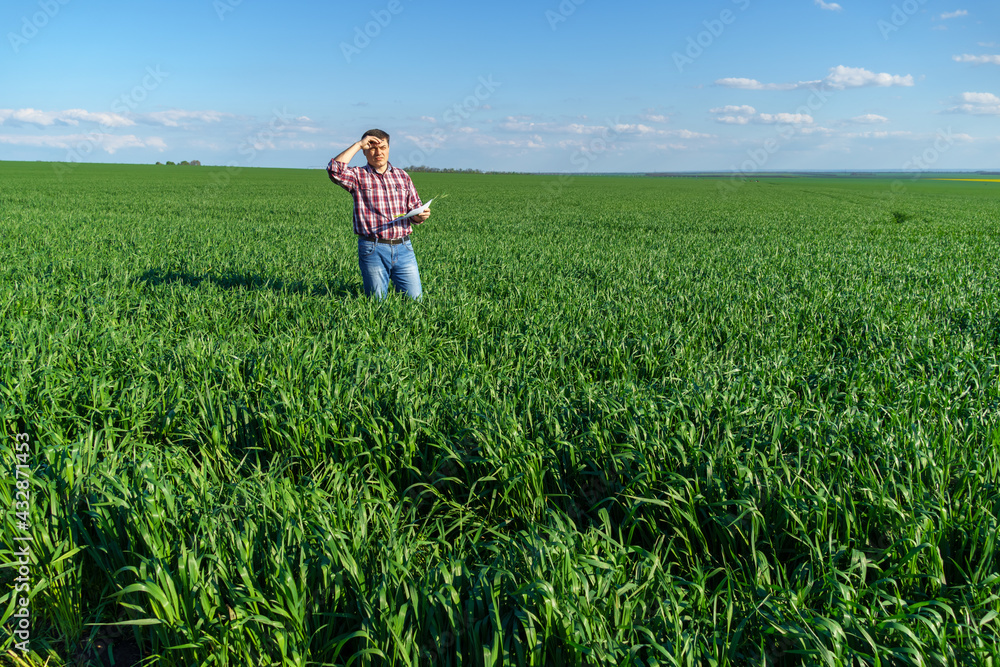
(423, 216)
(366, 144)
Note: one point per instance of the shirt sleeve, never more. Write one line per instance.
(342, 175)
(412, 198)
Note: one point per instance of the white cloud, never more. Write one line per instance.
(733, 114)
(531, 132)
(527, 124)
(978, 104)
(814, 129)
(856, 77)
(180, 117)
(745, 114)
(471, 137)
(877, 134)
(488, 141)
(654, 118)
(300, 124)
(632, 128)
(671, 147)
(522, 124)
(954, 15)
(839, 78)
(754, 84)
(830, 6)
(68, 117)
(687, 134)
(980, 98)
(109, 143)
(576, 128)
(261, 144)
(742, 110)
(869, 119)
(978, 60)
(785, 118)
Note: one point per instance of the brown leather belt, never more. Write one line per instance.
(378, 239)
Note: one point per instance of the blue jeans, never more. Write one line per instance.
(381, 263)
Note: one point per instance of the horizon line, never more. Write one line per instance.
(484, 172)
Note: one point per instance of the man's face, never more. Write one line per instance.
(376, 152)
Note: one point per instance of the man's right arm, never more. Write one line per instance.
(337, 169)
(366, 142)
(346, 156)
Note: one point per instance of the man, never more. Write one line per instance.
(381, 194)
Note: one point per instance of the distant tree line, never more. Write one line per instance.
(185, 163)
(449, 170)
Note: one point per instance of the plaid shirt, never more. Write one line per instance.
(378, 198)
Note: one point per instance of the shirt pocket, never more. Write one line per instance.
(368, 196)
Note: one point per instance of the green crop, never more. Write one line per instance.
(634, 421)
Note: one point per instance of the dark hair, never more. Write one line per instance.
(378, 134)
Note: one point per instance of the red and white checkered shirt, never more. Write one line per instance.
(378, 198)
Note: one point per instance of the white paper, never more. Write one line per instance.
(417, 211)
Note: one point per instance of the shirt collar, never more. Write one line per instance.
(371, 169)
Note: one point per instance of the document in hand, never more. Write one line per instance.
(417, 211)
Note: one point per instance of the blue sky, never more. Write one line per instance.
(556, 85)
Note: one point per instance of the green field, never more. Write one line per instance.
(634, 421)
